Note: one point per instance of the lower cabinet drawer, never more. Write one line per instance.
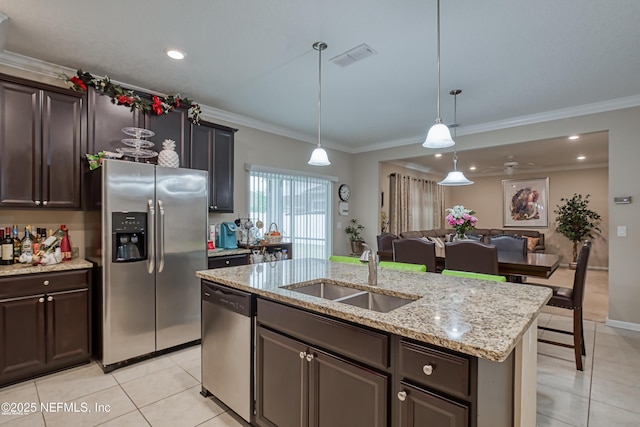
(28, 284)
(227, 261)
(435, 369)
(422, 408)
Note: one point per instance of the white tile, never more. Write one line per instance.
(613, 353)
(73, 383)
(24, 393)
(603, 415)
(133, 372)
(187, 408)
(186, 355)
(544, 421)
(564, 354)
(563, 375)
(193, 368)
(625, 374)
(562, 406)
(616, 394)
(132, 419)
(32, 420)
(158, 385)
(225, 420)
(603, 328)
(625, 342)
(114, 400)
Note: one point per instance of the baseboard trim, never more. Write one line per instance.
(588, 267)
(623, 325)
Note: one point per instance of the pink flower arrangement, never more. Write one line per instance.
(461, 219)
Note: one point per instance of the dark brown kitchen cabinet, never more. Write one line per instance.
(301, 385)
(105, 122)
(173, 125)
(424, 408)
(41, 137)
(227, 261)
(44, 323)
(212, 150)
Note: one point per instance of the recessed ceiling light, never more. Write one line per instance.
(581, 157)
(472, 168)
(175, 54)
(574, 137)
(438, 155)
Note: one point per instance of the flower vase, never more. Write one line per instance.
(458, 236)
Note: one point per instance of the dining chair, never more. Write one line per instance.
(415, 250)
(385, 246)
(571, 299)
(345, 259)
(469, 255)
(470, 275)
(403, 266)
(509, 243)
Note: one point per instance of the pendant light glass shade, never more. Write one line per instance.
(455, 177)
(319, 156)
(439, 135)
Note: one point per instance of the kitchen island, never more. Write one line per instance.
(488, 329)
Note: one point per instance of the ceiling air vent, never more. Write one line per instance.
(353, 55)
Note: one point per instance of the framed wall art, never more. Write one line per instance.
(526, 202)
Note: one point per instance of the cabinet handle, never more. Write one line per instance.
(45, 203)
(302, 355)
(402, 396)
(227, 262)
(427, 369)
(215, 207)
(46, 283)
(41, 300)
(210, 207)
(37, 202)
(49, 299)
(309, 357)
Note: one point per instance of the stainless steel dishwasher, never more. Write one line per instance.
(227, 347)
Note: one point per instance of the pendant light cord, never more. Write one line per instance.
(320, 47)
(438, 119)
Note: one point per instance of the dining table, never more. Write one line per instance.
(517, 264)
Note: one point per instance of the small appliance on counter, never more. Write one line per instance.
(227, 237)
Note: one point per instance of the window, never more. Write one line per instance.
(300, 206)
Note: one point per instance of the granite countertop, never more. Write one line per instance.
(476, 317)
(227, 252)
(18, 269)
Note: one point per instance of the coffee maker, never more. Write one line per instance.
(227, 237)
(128, 236)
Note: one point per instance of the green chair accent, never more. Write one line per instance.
(471, 275)
(403, 266)
(345, 259)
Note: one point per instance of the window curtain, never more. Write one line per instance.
(416, 204)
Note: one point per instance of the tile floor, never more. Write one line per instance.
(165, 391)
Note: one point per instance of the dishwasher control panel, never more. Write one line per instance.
(228, 298)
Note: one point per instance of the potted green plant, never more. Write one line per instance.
(576, 221)
(353, 230)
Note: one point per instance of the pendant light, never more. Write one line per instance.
(455, 177)
(319, 156)
(439, 135)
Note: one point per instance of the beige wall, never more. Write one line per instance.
(485, 197)
(623, 177)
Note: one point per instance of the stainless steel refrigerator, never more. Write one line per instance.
(152, 239)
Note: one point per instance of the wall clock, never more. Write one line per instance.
(344, 192)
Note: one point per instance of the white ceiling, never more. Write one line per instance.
(516, 61)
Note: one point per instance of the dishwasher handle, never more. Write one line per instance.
(227, 298)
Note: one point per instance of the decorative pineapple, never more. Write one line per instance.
(168, 156)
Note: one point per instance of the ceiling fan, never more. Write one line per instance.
(510, 166)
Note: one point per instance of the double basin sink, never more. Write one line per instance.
(357, 297)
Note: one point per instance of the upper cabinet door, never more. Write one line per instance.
(62, 151)
(106, 121)
(20, 137)
(173, 125)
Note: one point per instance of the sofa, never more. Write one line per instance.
(385, 248)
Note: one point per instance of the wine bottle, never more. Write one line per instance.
(50, 244)
(27, 241)
(65, 244)
(6, 243)
(17, 246)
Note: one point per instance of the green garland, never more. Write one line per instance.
(157, 105)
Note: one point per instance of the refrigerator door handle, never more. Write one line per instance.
(161, 236)
(152, 248)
